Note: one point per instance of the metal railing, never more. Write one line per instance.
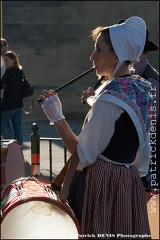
(35, 151)
(50, 141)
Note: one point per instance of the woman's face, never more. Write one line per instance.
(4, 47)
(103, 57)
(9, 62)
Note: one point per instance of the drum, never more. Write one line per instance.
(152, 198)
(31, 210)
(12, 161)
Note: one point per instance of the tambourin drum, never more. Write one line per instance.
(31, 210)
(12, 161)
(152, 199)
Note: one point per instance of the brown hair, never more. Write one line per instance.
(105, 33)
(12, 55)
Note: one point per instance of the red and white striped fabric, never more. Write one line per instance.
(114, 202)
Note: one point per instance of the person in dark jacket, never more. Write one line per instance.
(4, 48)
(12, 103)
(147, 71)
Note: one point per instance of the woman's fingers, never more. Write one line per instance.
(46, 94)
(85, 94)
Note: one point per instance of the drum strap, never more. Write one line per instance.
(72, 166)
(59, 179)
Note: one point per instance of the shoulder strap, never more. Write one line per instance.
(32, 103)
(23, 75)
(31, 107)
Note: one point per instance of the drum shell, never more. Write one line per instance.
(35, 201)
(12, 161)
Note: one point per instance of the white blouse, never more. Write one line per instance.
(97, 133)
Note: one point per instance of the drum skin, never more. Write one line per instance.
(31, 210)
(12, 161)
(152, 199)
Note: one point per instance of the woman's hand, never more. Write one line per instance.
(52, 106)
(85, 94)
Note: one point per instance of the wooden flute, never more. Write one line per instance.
(72, 81)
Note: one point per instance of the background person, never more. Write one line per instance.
(147, 71)
(107, 193)
(4, 48)
(12, 103)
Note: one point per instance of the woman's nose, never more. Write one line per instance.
(92, 57)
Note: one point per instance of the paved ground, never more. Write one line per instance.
(46, 131)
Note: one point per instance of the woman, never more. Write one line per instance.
(107, 194)
(12, 103)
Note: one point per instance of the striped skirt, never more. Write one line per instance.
(114, 203)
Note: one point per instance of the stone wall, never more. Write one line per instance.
(53, 43)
